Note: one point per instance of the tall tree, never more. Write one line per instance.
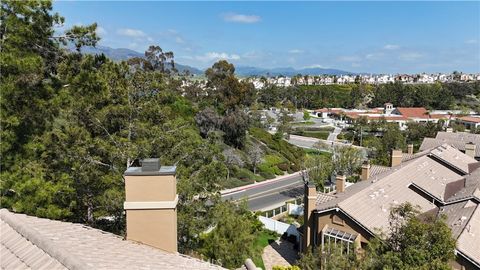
(231, 240)
(226, 90)
(29, 54)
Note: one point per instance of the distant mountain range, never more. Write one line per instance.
(288, 71)
(120, 54)
(124, 54)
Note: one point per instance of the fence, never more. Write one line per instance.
(279, 227)
(293, 209)
(281, 209)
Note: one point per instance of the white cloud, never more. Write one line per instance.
(172, 34)
(213, 56)
(101, 31)
(315, 66)
(241, 18)
(391, 47)
(471, 41)
(410, 56)
(129, 32)
(295, 51)
(349, 58)
(374, 56)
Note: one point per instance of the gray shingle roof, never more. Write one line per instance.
(468, 243)
(36, 243)
(455, 139)
(440, 172)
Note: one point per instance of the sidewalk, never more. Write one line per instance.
(279, 253)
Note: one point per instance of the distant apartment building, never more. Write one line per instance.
(440, 181)
(286, 81)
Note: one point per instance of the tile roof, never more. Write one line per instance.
(442, 172)
(453, 157)
(371, 206)
(457, 215)
(470, 119)
(378, 169)
(412, 112)
(468, 242)
(36, 243)
(455, 139)
(19, 253)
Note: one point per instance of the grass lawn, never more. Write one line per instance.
(261, 242)
(319, 134)
(303, 123)
(313, 152)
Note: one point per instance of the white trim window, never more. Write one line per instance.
(336, 238)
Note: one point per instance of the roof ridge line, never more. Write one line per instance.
(33, 236)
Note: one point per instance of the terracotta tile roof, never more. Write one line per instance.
(38, 243)
(412, 112)
(470, 119)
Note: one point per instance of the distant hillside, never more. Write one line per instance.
(121, 54)
(288, 71)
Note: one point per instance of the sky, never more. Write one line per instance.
(376, 37)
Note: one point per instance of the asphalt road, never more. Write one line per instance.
(271, 194)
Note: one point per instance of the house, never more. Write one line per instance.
(470, 122)
(441, 180)
(151, 234)
(399, 115)
(465, 142)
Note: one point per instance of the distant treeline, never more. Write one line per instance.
(431, 96)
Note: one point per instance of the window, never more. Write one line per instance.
(335, 238)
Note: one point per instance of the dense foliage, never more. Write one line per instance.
(431, 96)
(72, 123)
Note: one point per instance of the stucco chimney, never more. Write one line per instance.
(340, 183)
(365, 170)
(470, 149)
(151, 204)
(308, 207)
(410, 149)
(396, 157)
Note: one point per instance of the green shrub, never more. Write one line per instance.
(292, 153)
(267, 175)
(235, 182)
(246, 175)
(273, 160)
(283, 166)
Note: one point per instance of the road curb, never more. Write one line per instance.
(259, 184)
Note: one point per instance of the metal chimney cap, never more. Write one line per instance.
(151, 166)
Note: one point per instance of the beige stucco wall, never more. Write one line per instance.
(348, 225)
(157, 228)
(150, 188)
